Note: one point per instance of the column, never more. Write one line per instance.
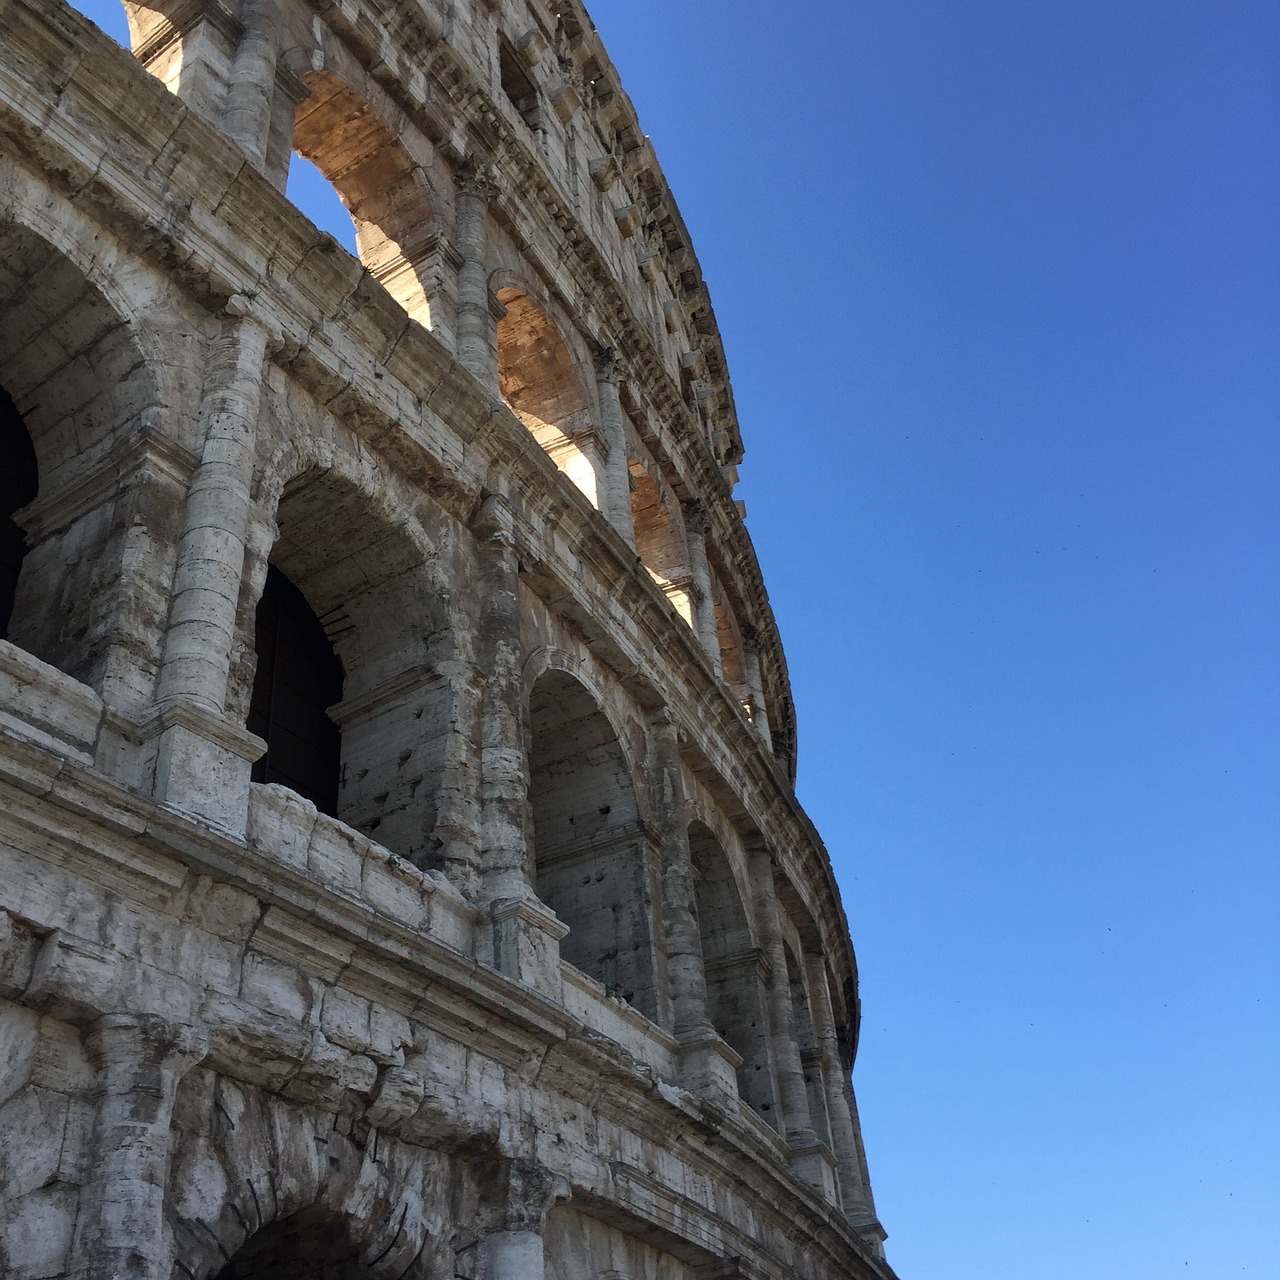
(525, 933)
(477, 342)
(708, 1066)
(854, 1189)
(121, 1232)
(697, 525)
(689, 1017)
(869, 1229)
(616, 498)
(456, 834)
(797, 1127)
(526, 1191)
(247, 114)
(202, 758)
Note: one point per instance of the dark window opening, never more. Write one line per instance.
(518, 85)
(305, 1246)
(18, 484)
(299, 677)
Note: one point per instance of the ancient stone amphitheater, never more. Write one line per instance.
(401, 871)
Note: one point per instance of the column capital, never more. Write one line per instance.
(146, 1039)
(606, 363)
(475, 177)
(521, 1192)
(696, 517)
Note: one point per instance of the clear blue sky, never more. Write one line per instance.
(999, 286)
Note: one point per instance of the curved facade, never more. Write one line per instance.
(400, 869)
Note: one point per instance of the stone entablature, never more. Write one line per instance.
(543, 755)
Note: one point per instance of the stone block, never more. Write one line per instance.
(74, 979)
(526, 944)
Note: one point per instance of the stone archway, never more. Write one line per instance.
(594, 864)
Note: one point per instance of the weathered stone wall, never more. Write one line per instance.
(561, 984)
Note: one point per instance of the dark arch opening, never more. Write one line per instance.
(731, 963)
(19, 481)
(592, 862)
(304, 1246)
(299, 677)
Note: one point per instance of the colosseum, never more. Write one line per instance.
(401, 872)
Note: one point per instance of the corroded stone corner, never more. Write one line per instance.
(400, 874)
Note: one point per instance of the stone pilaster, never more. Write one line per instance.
(246, 118)
(797, 1126)
(707, 1065)
(697, 524)
(525, 933)
(680, 919)
(616, 496)
(855, 1192)
(526, 1192)
(456, 834)
(869, 1228)
(120, 1231)
(438, 268)
(206, 588)
(477, 341)
(196, 746)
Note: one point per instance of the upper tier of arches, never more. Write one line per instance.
(408, 166)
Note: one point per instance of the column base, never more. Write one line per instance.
(202, 764)
(709, 1068)
(526, 944)
(813, 1162)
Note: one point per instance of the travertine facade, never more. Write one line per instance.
(400, 870)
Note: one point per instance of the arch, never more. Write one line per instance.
(732, 659)
(539, 381)
(731, 963)
(308, 1243)
(249, 1205)
(371, 586)
(595, 864)
(81, 397)
(658, 541)
(382, 187)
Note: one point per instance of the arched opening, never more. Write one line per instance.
(299, 677)
(304, 1246)
(537, 379)
(594, 864)
(356, 616)
(657, 542)
(19, 481)
(77, 389)
(318, 198)
(731, 963)
(731, 657)
(378, 182)
(117, 19)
